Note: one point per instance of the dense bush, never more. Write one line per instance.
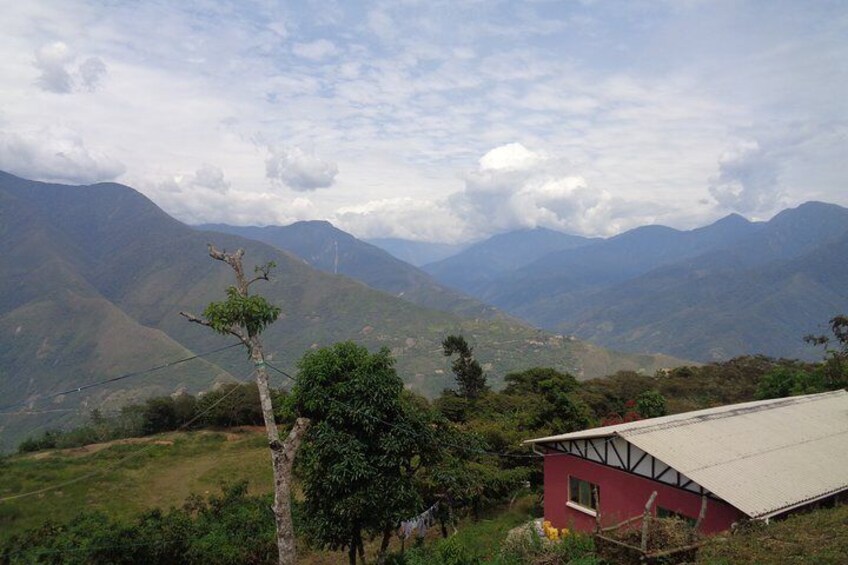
(226, 406)
(227, 529)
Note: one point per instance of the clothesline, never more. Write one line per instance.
(419, 523)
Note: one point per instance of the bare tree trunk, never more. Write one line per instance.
(384, 545)
(351, 553)
(361, 546)
(282, 453)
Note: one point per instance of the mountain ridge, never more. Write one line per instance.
(334, 251)
(101, 271)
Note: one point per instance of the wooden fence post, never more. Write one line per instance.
(646, 518)
(701, 516)
(598, 509)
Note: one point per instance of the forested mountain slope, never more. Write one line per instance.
(93, 279)
(730, 288)
(332, 250)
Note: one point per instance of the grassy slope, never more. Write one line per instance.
(171, 466)
(815, 537)
(166, 470)
(162, 471)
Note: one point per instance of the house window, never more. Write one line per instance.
(583, 493)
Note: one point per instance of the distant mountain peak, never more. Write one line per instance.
(314, 223)
(732, 219)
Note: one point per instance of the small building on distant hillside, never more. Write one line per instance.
(755, 460)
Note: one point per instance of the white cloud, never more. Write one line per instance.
(315, 50)
(299, 170)
(514, 188)
(55, 63)
(206, 195)
(56, 154)
(402, 217)
(622, 111)
(512, 156)
(211, 177)
(51, 60)
(747, 180)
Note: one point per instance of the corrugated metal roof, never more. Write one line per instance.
(762, 457)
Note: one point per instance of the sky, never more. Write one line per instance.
(434, 121)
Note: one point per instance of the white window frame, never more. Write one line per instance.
(580, 507)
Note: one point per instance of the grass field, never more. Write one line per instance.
(125, 477)
(819, 537)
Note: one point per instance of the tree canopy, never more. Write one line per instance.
(468, 372)
(366, 444)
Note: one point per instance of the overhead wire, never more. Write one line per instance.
(133, 455)
(38, 398)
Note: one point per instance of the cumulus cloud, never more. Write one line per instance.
(514, 187)
(315, 50)
(52, 60)
(56, 61)
(747, 179)
(299, 170)
(190, 199)
(510, 157)
(402, 217)
(208, 178)
(56, 154)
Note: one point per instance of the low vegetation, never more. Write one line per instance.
(376, 454)
(819, 536)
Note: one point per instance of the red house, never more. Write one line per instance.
(756, 460)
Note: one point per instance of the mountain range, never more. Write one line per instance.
(92, 279)
(323, 246)
(731, 288)
(416, 253)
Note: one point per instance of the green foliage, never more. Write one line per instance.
(834, 372)
(444, 552)
(228, 405)
(820, 537)
(226, 529)
(547, 401)
(651, 404)
(526, 546)
(366, 442)
(452, 406)
(469, 375)
(254, 313)
(790, 381)
(232, 405)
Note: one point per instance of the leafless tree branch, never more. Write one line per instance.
(197, 320)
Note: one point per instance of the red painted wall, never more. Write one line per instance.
(622, 495)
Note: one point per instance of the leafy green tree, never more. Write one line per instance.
(790, 381)
(367, 442)
(651, 404)
(835, 369)
(550, 400)
(469, 374)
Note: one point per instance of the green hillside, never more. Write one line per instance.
(94, 279)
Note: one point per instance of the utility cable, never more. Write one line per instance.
(131, 455)
(3, 409)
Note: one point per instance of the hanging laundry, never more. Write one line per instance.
(420, 523)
